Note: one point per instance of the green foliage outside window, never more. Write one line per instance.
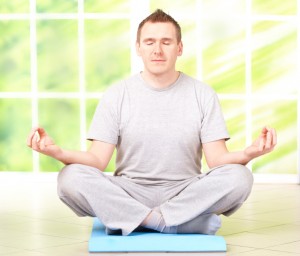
(107, 6)
(57, 55)
(275, 7)
(15, 56)
(16, 6)
(224, 56)
(56, 6)
(107, 53)
(15, 120)
(274, 64)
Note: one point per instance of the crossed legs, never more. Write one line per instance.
(89, 192)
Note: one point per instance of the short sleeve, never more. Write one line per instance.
(105, 122)
(213, 126)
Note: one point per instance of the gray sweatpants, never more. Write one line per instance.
(123, 203)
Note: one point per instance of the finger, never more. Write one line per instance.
(30, 136)
(274, 137)
(42, 132)
(264, 130)
(268, 140)
(35, 142)
(261, 144)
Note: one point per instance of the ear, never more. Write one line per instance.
(137, 48)
(180, 48)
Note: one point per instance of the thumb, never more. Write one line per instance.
(261, 144)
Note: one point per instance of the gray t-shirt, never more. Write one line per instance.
(158, 132)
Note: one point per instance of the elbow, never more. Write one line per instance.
(217, 161)
(102, 167)
(214, 164)
(97, 163)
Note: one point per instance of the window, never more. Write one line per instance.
(57, 58)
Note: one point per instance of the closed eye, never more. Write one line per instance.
(149, 41)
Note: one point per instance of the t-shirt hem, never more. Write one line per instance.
(103, 139)
(211, 139)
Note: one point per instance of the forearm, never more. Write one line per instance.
(79, 157)
(98, 155)
(236, 157)
(263, 145)
(216, 154)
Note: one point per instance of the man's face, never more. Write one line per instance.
(158, 47)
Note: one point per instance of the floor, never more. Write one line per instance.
(33, 222)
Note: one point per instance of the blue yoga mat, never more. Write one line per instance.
(153, 242)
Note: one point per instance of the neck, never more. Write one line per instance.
(160, 81)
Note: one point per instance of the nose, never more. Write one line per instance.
(157, 49)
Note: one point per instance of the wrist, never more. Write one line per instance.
(247, 157)
(60, 155)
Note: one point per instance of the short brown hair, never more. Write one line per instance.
(159, 16)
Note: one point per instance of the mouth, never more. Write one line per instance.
(158, 61)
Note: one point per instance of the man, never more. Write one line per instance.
(159, 121)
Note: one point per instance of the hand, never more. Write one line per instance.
(39, 141)
(264, 144)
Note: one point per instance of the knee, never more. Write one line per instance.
(241, 179)
(69, 180)
(66, 180)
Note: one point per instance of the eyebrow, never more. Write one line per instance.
(160, 39)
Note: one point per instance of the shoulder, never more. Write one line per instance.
(121, 87)
(202, 90)
(115, 92)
